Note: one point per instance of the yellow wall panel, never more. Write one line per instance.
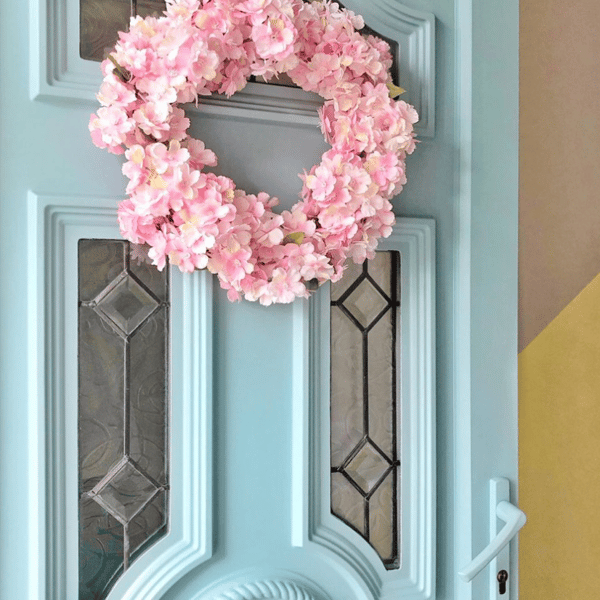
(559, 455)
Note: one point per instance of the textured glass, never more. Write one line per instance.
(346, 394)
(99, 24)
(381, 527)
(364, 426)
(101, 20)
(381, 374)
(348, 501)
(100, 549)
(123, 470)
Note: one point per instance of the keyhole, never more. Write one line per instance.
(502, 579)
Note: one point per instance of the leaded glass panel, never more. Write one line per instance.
(122, 366)
(365, 465)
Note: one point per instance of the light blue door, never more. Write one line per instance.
(250, 493)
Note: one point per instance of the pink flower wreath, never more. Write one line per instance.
(200, 220)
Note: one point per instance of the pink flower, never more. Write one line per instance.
(321, 182)
(110, 127)
(200, 220)
(199, 154)
(182, 9)
(135, 227)
(296, 221)
(160, 89)
(178, 124)
(158, 251)
(183, 181)
(274, 38)
(115, 93)
(231, 261)
(184, 257)
(152, 119)
(283, 287)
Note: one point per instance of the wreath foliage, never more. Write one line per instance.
(197, 219)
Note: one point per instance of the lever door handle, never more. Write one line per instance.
(515, 519)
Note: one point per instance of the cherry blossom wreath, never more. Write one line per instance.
(201, 220)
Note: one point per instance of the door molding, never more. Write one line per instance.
(312, 521)
(56, 223)
(58, 73)
(277, 589)
(483, 347)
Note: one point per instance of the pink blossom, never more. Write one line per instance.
(152, 119)
(274, 38)
(178, 124)
(283, 287)
(200, 156)
(183, 181)
(115, 93)
(110, 128)
(321, 182)
(231, 261)
(159, 249)
(184, 257)
(182, 9)
(200, 220)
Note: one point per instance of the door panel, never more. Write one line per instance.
(240, 495)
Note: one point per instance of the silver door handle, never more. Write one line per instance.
(515, 519)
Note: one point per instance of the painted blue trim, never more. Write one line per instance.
(485, 297)
(259, 583)
(56, 225)
(312, 521)
(461, 368)
(414, 32)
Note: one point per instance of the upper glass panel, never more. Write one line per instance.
(122, 418)
(101, 20)
(365, 466)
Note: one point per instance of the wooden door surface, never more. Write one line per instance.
(249, 433)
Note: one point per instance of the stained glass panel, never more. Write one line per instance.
(122, 365)
(365, 465)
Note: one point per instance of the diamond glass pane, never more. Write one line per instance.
(125, 492)
(365, 466)
(126, 304)
(122, 418)
(365, 303)
(381, 381)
